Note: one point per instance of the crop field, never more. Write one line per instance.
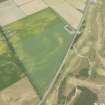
(9, 71)
(2, 0)
(22, 90)
(65, 8)
(41, 43)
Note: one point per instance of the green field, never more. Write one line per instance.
(87, 97)
(9, 71)
(41, 42)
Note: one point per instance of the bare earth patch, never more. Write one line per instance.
(9, 13)
(13, 10)
(21, 2)
(79, 4)
(20, 93)
(69, 13)
(33, 6)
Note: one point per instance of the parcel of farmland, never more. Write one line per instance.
(10, 71)
(41, 43)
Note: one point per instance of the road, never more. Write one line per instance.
(65, 58)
